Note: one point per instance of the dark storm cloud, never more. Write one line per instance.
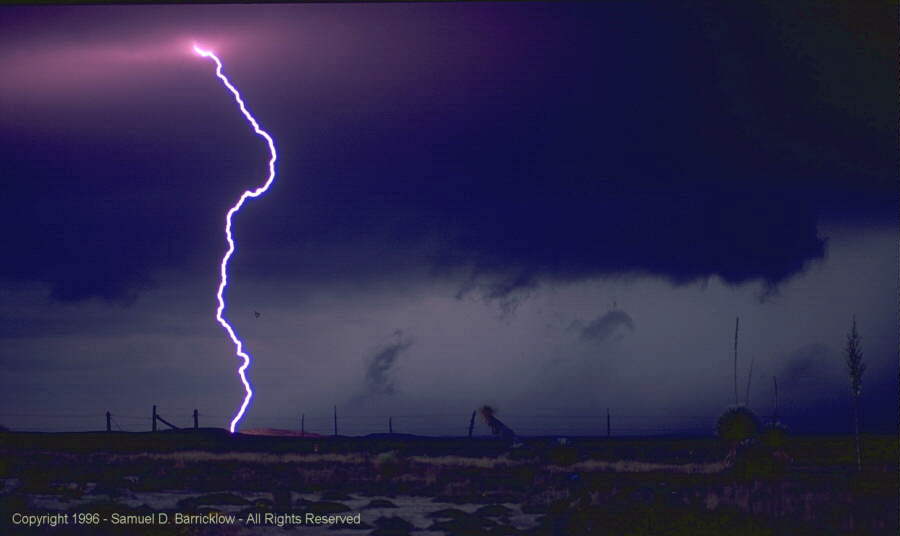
(520, 143)
(507, 289)
(379, 371)
(605, 325)
(814, 385)
(314, 344)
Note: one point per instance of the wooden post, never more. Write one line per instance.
(335, 420)
(471, 424)
(108, 422)
(154, 417)
(608, 428)
(390, 425)
(196, 420)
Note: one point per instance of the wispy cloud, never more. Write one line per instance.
(607, 325)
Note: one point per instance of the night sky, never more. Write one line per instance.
(550, 208)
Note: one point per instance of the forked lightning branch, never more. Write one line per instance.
(223, 270)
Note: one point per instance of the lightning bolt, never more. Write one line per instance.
(220, 295)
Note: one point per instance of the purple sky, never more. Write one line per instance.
(551, 208)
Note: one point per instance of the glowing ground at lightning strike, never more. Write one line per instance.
(220, 295)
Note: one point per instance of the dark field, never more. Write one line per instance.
(435, 486)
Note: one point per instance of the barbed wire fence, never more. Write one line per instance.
(607, 423)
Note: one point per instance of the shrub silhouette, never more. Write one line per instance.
(389, 464)
(737, 424)
(774, 436)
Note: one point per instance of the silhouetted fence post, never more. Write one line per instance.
(390, 425)
(196, 420)
(154, 417)
(108, 422)
(608, 428)
(335, 420)
(471, 424)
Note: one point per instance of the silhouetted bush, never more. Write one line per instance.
(737, 424)
(389, 464)
(774, 436)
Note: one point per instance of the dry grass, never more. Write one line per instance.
(246, 457)
(460, 461)
(617, 466)
(630, 466)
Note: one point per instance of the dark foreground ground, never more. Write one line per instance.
(120, 483)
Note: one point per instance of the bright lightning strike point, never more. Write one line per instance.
(220, 295)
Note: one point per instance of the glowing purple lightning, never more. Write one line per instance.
(239, 345)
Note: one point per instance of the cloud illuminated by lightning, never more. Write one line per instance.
(220, 295)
